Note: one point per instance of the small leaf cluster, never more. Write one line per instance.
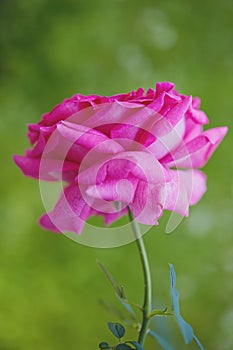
(118, 331)
(131, 319)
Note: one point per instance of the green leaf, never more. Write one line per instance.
(136, 345)
(104, 345)
(123, 347)
(117, 329)
(111, 280)
(185, 328)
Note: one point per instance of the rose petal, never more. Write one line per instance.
(87, 137)
(69, 214)
(71, 211)
(148, 203)
(195, 114)
(46, 169)
(142, 165)
(185, 188)
(192, 130)
(29, 166)
(197, 151)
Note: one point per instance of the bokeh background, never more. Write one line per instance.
(51, 49)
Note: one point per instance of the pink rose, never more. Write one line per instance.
(141, 150)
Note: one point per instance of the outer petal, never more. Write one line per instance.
(69, 214)
(197, 115)
(196, 152)
(48, 224)
(87, 137)
(185, 188)
(72, 210)
(178, 112)
(46, 169)
(29, 166)
(192, 130)
(168, 137)
(164, 86)
(169, 129)
(62, 111)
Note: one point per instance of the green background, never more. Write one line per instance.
(49, 285)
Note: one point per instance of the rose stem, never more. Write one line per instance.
(147, 303)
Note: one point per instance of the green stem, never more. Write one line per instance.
(147, 303)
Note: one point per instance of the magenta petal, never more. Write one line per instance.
(148, 203)
(196, 102)
(176, 195)
(61, 111)
(195, 114)
(192, 130)
(47, 224)
(168, 137)
(196, 152)
(73, 209)
(164, 86)
(87, 137)
(55, 169)
(157, 103)
(74, 132)
(131, 132)
(141, 165)
(38, 148)
(185, 188)
(178, 112)
(114, 190)
(118, 112)
(70, 212)
(46, 169)
(198, 185)
(33, 132)
(133, 178)
(105, 191)
(29, 166)
(198, 116)
(169, 131)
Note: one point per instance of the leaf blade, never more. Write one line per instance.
(104, 345)
(185, 328)
(111, 279)
(123, 347)
(116, 329)
(135, 344)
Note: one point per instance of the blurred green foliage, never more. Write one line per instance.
(52, 49)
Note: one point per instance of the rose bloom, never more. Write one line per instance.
(141, 149)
